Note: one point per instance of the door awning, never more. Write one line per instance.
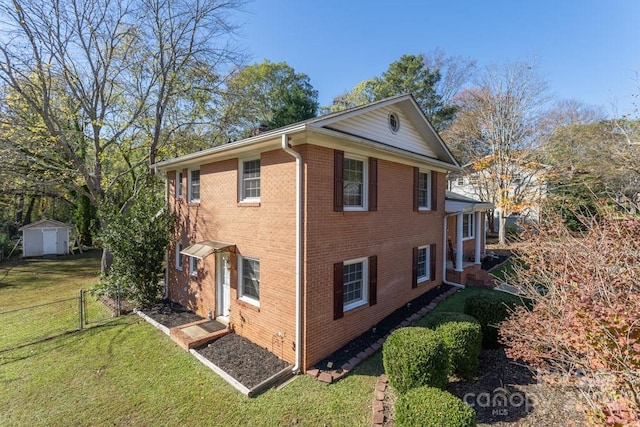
(207, 247)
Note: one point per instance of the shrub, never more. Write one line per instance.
(490, 310)
(464, 341)
(433, 320)
(431, 407)
(414, 357)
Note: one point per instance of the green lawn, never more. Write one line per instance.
(126, 372)
(504, 272)
(455, 302)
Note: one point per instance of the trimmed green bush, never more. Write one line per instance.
(491, 309)
(464, 342)
(432, 407)
(414, 357)
(433, 320)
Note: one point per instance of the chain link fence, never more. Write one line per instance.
(28, 325)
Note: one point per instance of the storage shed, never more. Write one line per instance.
(45, 237)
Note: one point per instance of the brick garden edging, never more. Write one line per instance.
(331, 375)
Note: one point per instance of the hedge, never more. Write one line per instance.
(414, 357)
(464, 342)
(491, 309)
(432, 407)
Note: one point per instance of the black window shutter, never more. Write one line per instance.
(434, 190)
(338, 292)
(338, 181)
(414, 273)
(373, 279)
(432, 261)
(373, 184)
(416, 187)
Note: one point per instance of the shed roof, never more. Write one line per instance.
(45, 223)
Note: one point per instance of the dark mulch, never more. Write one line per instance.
(125, 306)
(245, 361)
(170, 314)
(492, 259)
(505, 394)
(382, 328)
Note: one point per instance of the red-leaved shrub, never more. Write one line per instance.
(584, 329)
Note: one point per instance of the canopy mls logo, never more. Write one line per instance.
(501, 400)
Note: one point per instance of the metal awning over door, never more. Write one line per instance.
(207, 247)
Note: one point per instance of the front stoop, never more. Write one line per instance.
(480, 278)
(333, 375)
(199, 333)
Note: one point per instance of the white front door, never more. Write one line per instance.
(49, 239)
(224, 284)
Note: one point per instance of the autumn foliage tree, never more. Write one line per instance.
(584, 329)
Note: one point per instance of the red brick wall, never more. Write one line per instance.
(390, 233)
(265, 231)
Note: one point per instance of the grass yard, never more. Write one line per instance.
(125, 372)
(36, 281)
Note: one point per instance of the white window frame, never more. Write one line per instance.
(470, 226)
(460, 181)
(427, 263)
(241, 186)
(427, 206)
(178, 184)
(193, 266)
(365, 184)
(191, 198)
(241, 295)
(364, 284)
(179, 256)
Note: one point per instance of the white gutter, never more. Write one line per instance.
(444, 251)
(286, 147)
(166, 252)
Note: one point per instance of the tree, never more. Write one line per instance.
(584, 328)
(433, 81)
(267, 94)
(498, 124)
(108, 83)
(138, 239)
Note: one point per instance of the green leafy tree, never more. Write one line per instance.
(267, 94)
(420, 75)
(138, 238)
(110, 82)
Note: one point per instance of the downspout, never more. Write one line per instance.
(166, 252)
(287, 148)
(444, 251)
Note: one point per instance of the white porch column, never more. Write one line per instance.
(459, 242)
(479, 236)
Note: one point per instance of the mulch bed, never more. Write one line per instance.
(245, 361)
(170, 314)
(506, 394)
(382, 328)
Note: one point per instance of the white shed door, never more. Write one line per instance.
(49, 239)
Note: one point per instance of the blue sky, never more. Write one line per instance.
(586, 50)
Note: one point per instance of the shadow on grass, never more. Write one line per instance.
(64, 339)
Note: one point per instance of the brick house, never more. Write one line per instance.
(304, 237)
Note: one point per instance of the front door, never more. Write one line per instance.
(224, 285)
(49, 239)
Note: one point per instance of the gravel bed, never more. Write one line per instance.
(170, 314)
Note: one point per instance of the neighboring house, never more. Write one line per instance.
(526, 187)
(304, 237)
(45, 237)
